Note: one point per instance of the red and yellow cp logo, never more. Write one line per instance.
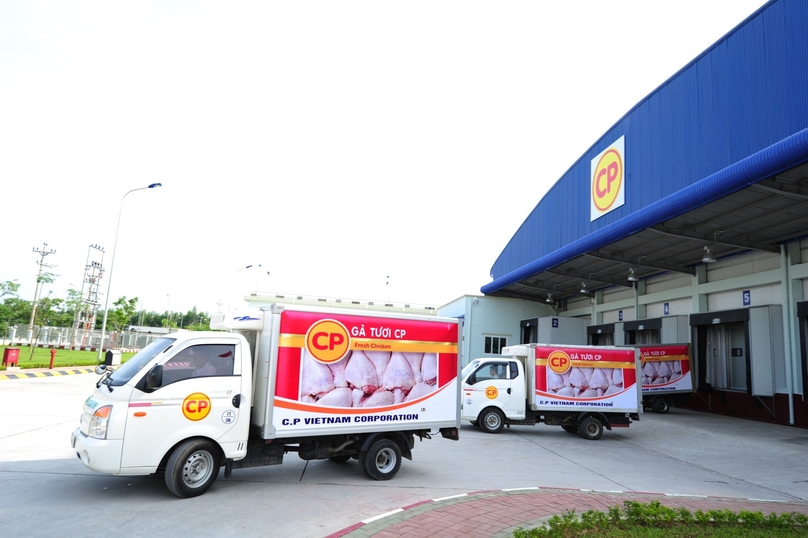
(559, 362)
(607, 180)
(196, 406)
(491, 393)
(328, 341)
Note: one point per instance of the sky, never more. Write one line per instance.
(368, 150)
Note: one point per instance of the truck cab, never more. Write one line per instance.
(494, 389)
(181, 404)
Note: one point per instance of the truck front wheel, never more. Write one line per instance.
(590, 428)
(382, 460)
(192, 468)
(491, 420)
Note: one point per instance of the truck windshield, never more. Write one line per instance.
(470, 367)
(127, 371)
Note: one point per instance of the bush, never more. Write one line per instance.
(654, 519)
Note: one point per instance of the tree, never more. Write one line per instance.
(16, 311)
(49, 312)
(9, 287)
(121, 316)
(196, 321)
(7, 310)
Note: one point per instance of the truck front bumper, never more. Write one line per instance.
(101, 455)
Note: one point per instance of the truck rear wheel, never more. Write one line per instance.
(192, 468)
(491, 420)
(382, 460)
(570, 428)
(590, 428)
(661, 405)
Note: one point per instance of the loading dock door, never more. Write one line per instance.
(725, 356)
(600, 335)
(644, 331)
(529, 331)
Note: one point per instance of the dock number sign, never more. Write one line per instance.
(608, 190)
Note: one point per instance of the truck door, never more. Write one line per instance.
(488, 385)
(201, 395)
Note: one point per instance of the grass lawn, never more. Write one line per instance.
(64, 358)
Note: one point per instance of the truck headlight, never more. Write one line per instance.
(98, 422)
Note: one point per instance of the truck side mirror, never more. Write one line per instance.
(154, 379)
(472, 379)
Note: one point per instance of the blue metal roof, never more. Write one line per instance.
(733, 116)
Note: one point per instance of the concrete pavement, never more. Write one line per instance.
(482, 485)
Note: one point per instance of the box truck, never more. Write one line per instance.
(665, 375)
(324, 383)
(583, 389)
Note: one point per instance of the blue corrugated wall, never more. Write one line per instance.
(747, 92)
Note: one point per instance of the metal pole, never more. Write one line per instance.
(42, 253)
(112, 264)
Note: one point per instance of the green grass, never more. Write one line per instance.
(64, 358)
(635, 520)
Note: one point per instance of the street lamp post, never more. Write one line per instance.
(112, 263)
(230, 304)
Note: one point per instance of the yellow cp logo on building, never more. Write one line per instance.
(608, 180)
(328, 341)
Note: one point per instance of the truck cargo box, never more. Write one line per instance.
(321, 372)
(580, 378)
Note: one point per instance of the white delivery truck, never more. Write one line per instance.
(665, 375)
(583, 389)
(325, 383)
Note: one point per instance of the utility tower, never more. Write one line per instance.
(42, 253)
(84, 319)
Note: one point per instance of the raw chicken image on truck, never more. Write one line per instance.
(324, 383)
(665, 375)
(583, 389)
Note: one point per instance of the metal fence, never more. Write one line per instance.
(68, 338)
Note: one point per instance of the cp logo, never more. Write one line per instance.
(196, 406)
(608, 180)
(559, 362)
(491, 393)
(328, 341)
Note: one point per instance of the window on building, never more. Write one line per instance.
(494, 344)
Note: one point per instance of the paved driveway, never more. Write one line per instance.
(46, 491)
